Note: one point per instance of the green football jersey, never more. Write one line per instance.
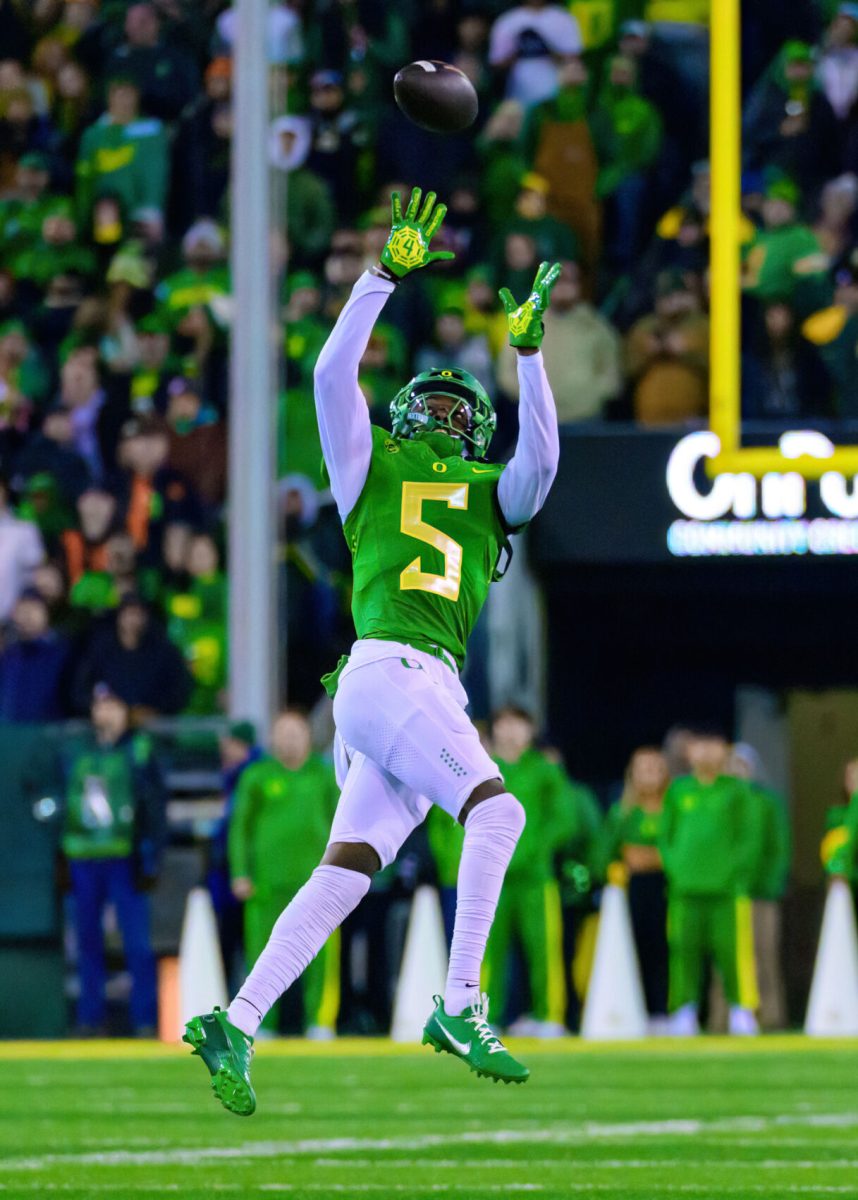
(426, 538)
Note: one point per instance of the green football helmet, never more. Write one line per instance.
(410, 417)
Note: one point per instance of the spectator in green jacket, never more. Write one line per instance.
(204, 279)
(23, 210)
(627, 131)
(710, 845)
(310, 214)
(529, 912)
(784, 261)
(57, 248)
(502, 162)
(839, 845)
(531, 218)
(277, 834)
(113, 833)
(768, 883)
(196, 623)
(124, 156)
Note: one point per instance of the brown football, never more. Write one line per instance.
(436, 96)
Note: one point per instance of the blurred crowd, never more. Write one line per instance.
(591, 148)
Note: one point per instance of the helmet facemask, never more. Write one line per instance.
(411, 417)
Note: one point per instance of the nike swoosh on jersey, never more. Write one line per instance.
(461, 1047)
(482, 470)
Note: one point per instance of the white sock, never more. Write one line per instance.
(491, 831)
(302, 929)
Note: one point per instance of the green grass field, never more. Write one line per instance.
(777, 1118)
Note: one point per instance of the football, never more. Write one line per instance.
(436, 96)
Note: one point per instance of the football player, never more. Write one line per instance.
(427, 520)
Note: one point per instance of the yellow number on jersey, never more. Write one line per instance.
(414, 578)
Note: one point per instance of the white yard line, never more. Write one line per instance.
(556, 1135)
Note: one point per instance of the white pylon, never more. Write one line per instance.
(424, 967)
(202, 982)
(614, 1007)
(832, 1009)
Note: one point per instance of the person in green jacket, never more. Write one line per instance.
(768, 884)
(710, 845)
(631, 859)
(114, 828)
(838, 849)
(197, 624)
(529, 911)
(277, 833)
(784, 260)
(57, 249)
(124, 156)
(627, 131)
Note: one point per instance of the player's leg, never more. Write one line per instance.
(374, 816)
(685, 935)
(407, 715)
(260, 917)
(493, 821)
(321, 985)
(732, 937)
(89, 891)
(132, 913)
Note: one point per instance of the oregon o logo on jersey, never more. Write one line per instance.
(406, 247)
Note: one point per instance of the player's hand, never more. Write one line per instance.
(407, 248)
(525, 320)
(242, 887)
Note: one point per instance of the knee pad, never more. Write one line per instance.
(501, 813)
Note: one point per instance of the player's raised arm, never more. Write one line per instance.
(525, 483)
(344, 426)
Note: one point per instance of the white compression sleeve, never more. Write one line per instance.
(344, 426)
(525, 483)
(492, 830)
(302, 929)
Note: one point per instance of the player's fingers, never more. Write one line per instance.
(437, 217)
(440, 256)
(426, 209)
(507, 300)
(551, 277)
(396, 207)
(413, 204)
(540, 275)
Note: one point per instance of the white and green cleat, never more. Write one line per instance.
(227, 1052)
(471, 1038)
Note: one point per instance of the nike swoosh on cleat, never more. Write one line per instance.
(460, 1047)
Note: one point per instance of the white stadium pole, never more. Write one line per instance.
(252, 432)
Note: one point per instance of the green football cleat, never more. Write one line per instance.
(227, 1052)
(470, 1038)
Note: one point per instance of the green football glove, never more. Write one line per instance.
(525, 320)
(407, 248)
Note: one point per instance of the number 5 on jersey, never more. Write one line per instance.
(414, 578)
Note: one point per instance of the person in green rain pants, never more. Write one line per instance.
(278, 832)
(529, 911)
(710, 843)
